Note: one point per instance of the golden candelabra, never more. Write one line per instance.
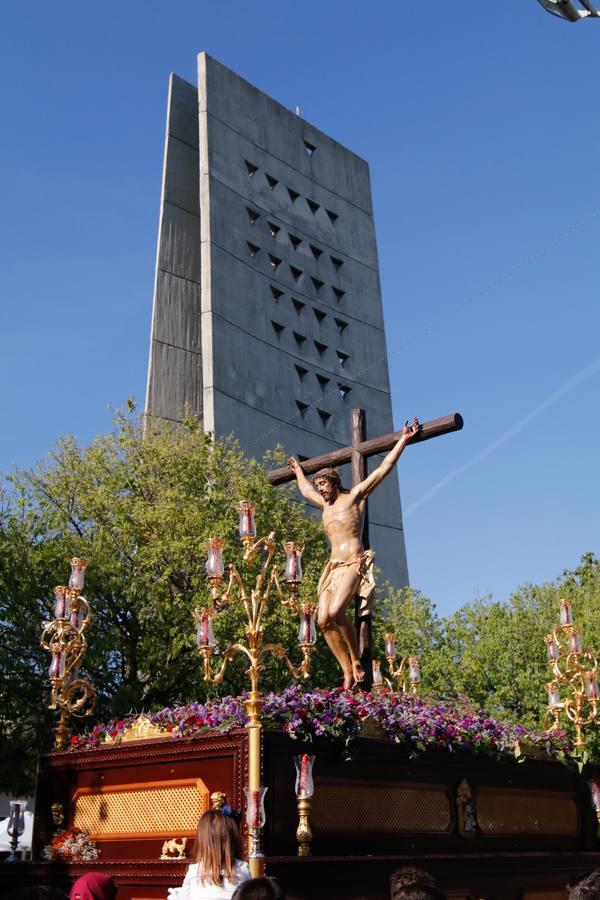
(575, 670)
(405, 673)
(64, 638)
(254, 603)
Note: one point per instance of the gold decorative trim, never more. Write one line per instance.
(140, 730)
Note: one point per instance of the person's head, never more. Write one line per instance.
(93, 886)
(217, 845)
(258, 889)
(414, 884)
(328, 483)
(586, 887)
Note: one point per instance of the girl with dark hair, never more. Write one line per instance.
(217, 869)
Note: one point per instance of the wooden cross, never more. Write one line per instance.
(357, 454)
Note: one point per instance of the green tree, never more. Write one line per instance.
(139, 504)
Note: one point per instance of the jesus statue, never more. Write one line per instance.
(349, 572)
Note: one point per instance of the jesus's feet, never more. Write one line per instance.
(348, 680)
(357, 671)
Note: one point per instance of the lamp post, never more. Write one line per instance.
(254, 603)
(406, 672)
(575, 670)
(64, 638)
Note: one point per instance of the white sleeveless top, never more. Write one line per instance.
(193, 889)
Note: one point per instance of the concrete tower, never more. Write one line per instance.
(267, 318)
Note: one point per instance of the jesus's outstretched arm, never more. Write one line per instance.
(367, 486)
(305, 486)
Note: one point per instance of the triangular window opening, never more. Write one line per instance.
(333, 217)
(276, 293)
(274, 260)
(309, 149)
(342, 357)
(319, 314)
(339, 293)
(315, 251)
(314, 207)
(299, 338)
(277, 327)
(324, 416)
(321, 348)
(272, 182)
(341, 325)
(252, 248)
(296, 273)
(252, 215)
(273, 228)
(318, 284)
(301, 406)
(295, 241)
(293, 194)
(323, 382)
(302, 372)
(298, 305)
(251, 168)
(338, 263)
(343, 390)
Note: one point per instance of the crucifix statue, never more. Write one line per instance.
(349, 572)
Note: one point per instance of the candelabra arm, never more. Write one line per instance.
(396, 672)
(297, 672)
(88, 614)
(269, 543)
(79, 693)
(217, 678)
(252, 549)
(223, 600)
(292, 600)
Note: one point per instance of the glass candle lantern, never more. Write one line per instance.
(215, 566)
(255, 807)
(553, 695)
(78, 567)
(390, 645)
(57, 665)
(293, 562)
(60, 603)
(305, 786)
(247, 526)
(307, 633)
(16, 818)
(76, 617)
(553, 652)
(565, 612)
(204, 633)
(574, 641)
(592, 686)
(414, 672)
(377, 676)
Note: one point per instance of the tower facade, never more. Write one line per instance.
(267, 318)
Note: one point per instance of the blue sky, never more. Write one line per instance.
(480, 124)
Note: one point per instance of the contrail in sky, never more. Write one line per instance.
(565, 388)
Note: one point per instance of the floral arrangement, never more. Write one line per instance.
(71, 845)
(417, 723)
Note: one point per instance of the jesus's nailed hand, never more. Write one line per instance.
(410, 430)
